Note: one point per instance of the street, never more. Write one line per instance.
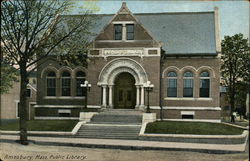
(14, 151)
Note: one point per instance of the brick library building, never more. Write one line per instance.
(169, 61)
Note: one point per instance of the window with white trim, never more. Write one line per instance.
(188, 84)
(172, 84)
(204, 84)
(66, 82)
(51, 83)
(80, 79)
(118, 31)
(130, 31)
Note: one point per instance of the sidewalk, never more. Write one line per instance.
(131, 144)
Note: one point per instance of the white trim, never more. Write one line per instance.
(59, 106)
(32, 87)
(63, 97)
(192, 108)
(123, 22)
(56, 118)
(30, 103)
(16, 102)
(153, 107)
(64, 111)
(93, 106)
(121, 41)
(188, 99)
(77, 127)
(187, 113)
(194, 120)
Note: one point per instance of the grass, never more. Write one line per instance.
(43, 125)
(196, 128)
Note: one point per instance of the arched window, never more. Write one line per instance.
(66, 83)
(188, 85)
(80, 79)
(51, 83)
(172, 84)
(204, 84)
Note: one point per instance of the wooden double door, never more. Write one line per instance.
(124, 91)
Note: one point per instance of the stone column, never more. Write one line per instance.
(124, 32)
(142, 96)
(110, 96)
(137, 96)
(104, 104)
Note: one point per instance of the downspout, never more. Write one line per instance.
(161, 64)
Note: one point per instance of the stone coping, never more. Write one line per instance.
(131, 144)
(215, 139)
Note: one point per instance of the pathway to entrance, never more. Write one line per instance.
(113, 124)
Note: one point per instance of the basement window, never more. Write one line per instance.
(187, 114)
(64, 113)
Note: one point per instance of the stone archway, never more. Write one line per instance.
(115, 68)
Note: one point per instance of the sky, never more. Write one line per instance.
(234, 15)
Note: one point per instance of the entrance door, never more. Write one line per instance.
(125, 91)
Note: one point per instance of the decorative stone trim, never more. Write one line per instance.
(188, 99)
(119, 65)
(108, 52)
(186, 108)
(55, 118)
(192, 120)
(77, 127)
(86, 116)
(59, 106)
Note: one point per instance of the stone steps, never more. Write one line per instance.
(113, 124)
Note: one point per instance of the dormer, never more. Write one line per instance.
(126, 29)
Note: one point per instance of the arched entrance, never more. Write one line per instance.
(112, 72)
(124, 91)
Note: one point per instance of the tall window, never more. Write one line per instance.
(80, 79)
(51, 84)
(66, 83)
(118, 32)
(130, 31)
(188, 84)
(204, 84)
(172, 84)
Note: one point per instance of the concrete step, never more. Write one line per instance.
(103, 131)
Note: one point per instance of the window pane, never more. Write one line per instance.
(188, 74)
(51, 74)
(172, 88)
(204, 74)
(188, 88)
(65, 74)
(204, 87)
(80, 91)
(130, 28)
(118, 32)
(130, 32)
(80, 74)
(130, 36)
(65, 86)
(172, 74)
(51, 87)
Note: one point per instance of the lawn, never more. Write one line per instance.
(196, 128)
(43, 125)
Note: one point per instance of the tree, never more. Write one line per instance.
(8, 76)
(235, 51)
(34, 30)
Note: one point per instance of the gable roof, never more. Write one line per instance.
(182, 33)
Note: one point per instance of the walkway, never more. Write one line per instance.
(131, 144)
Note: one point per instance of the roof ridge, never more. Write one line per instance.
(146, 13)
